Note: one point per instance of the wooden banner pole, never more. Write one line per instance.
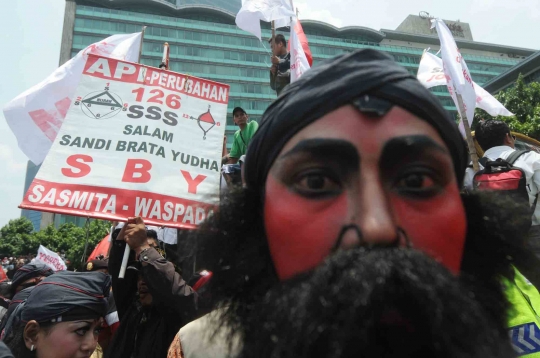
(125, 258)
(468, 134)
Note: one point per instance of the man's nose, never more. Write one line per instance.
(370, 211)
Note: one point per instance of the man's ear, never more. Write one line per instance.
(31, 334)
(509, 139)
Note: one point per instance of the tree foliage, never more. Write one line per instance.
(17, 238)
(524, 101)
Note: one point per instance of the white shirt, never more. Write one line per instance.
(199, 341)
(528, 162)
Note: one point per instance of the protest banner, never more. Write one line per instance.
(431, 74)
(136, 141)
(459, 82)
(50, 258)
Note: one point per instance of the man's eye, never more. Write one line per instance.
(416, 181)
(419, 183)
(315, 183)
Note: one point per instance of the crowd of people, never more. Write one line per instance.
(353, 231)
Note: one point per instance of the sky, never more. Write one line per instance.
(32, 30)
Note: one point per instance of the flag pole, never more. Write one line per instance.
(125, 258)
(165, 60)
(141, 45)
(470, 141)
(273, 33)
(273, 45)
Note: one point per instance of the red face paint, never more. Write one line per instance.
(438, 226)
(311, 196)
(301, 232)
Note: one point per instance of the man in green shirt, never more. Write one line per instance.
(243, 136)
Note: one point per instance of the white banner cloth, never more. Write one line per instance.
(253, 11)
(458, 78)
(136, 141)
(431, 74)
(36, 115)
(50, 258)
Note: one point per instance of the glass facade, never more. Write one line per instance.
(228, 5)
(205, 42)
(532, 77)
(204, 45)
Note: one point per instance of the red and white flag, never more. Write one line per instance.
(36, 115)
(457, 73)
(431, 74)
(301, 58)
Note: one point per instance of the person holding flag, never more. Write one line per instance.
(280, 71)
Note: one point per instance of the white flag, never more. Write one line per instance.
(431, 74)
(253, 11)
(36, 115)
(458, 76)
(299, 61)
(489, 103)
(50, 258)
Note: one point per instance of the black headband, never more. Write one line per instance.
(55, 297)
(29, 271)
(346, 79)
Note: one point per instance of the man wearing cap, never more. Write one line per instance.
(153, 300)
(355, 239)
(242, 137)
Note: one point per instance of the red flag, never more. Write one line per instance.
(101, 249)
(303, 40)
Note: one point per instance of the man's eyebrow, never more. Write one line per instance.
(321, 146)
(398, 148)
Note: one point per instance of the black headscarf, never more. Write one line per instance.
(67, 296)
(29, 271)
(12, 316)
(346, 79)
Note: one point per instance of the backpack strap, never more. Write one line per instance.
(483, 161)
(515, 155)
(512, 159)
(533, 207)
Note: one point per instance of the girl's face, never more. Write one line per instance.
(76, 339)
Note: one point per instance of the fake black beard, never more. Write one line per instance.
(375, 303)
(234, 247)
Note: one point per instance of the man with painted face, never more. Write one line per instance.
(355, 239)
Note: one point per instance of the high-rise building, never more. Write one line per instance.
(529, 68)
(205, 42)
